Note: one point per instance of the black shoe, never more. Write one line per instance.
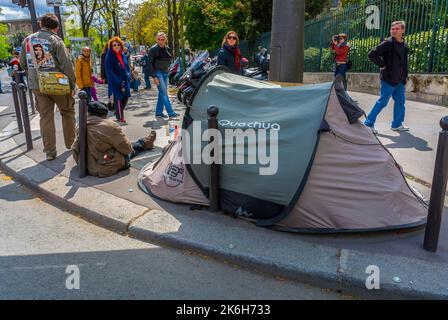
(161, 115)
(51, 156)
(174, 116)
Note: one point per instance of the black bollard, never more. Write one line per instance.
(15, 98)
(17, 77)
(439, 182)
(82, 131)
(214, 167)
(25, 116)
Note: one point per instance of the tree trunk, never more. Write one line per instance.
(176, 29)
(170, 25)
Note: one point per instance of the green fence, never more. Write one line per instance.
(367, 23)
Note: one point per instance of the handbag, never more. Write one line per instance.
(50, 82)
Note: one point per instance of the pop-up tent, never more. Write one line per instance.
(332, 174)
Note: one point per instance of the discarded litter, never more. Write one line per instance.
(396, 279)
(231, 246)
(131, 190)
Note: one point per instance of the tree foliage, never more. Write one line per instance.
(86, 11)
(4, 46)
(208, 20)
(143, 21)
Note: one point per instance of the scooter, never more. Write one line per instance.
(260, 72)
(192, 72)
(173, 71)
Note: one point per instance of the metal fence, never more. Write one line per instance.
(367, 23)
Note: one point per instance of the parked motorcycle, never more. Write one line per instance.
(260, 72)
(193, 75)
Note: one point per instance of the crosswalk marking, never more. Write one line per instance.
(3, 108)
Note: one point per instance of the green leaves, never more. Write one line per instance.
(4, 45)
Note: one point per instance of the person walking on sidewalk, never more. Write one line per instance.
(84, 72)
(118, 77)
(230, 54)
(108, 149)
(341, 49)
(159, 64)
(17, 68)
(392, 58)
(146, 71)
(57, 60)
(103, 62)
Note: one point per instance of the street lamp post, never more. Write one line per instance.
(287, 41)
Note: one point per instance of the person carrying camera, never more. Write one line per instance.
(341, 49)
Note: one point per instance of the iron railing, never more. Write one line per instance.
(367, 23)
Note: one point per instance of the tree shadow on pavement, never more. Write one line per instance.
(406, 140)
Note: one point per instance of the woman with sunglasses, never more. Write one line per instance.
(118, 77)
(230, 55)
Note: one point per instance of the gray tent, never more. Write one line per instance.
(333, 175)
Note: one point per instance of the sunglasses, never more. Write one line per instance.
(116, 45)
(161, 39)
(232, 38)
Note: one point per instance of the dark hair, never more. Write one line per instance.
(49, 21)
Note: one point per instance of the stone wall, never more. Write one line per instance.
(425, 88)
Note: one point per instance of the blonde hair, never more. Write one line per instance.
(224, 41)
(162, 34)
(402, 23)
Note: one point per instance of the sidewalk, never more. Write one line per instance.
(337, 262)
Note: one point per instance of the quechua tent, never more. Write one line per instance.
(332, 174)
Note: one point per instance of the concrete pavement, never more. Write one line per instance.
(336, 261)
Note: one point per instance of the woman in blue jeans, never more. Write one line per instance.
(158, 65)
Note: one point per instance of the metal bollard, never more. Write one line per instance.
(439, 182)
(82, 131)
(214, 167)
(25, 116)
(17, 106)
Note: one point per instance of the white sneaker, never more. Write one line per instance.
(400, 129)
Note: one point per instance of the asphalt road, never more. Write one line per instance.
(42, 247)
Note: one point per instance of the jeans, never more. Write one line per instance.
(135, 84)
(88, 90)
(137, 148)
(163, 99)
(387, 91)
(147, 81)
(342, 70)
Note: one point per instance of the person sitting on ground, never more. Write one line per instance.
(108, 149)
(136, 79)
